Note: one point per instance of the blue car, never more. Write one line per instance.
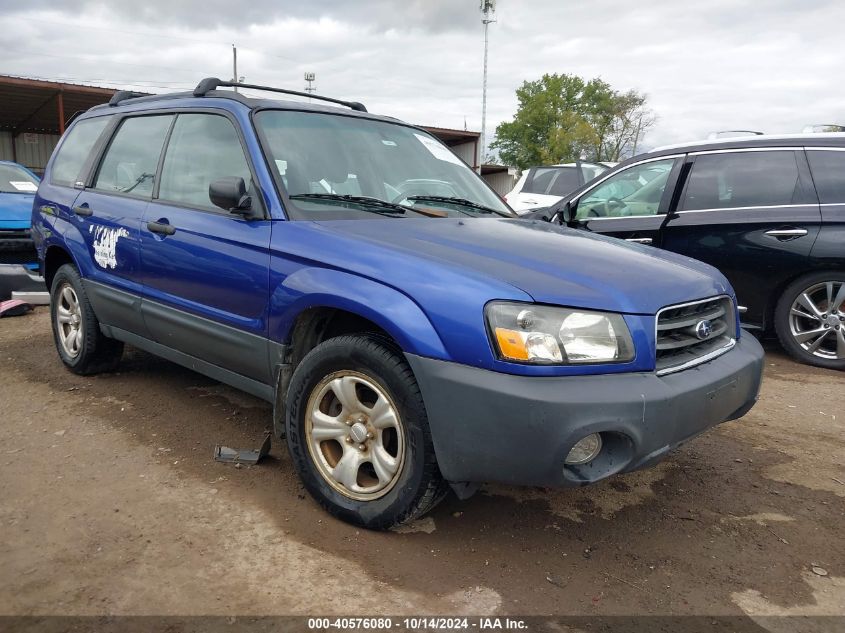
(18, 259)
(412, 333)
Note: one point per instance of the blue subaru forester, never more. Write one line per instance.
(411, 332)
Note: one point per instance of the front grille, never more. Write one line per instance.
(17, 247)
(682, 333)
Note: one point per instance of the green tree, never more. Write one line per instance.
(563, 117)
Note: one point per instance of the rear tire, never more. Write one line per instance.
(358, 433)
(81, 345)
(810, 319)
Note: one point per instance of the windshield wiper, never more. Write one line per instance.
(459, 201)
(375, 204)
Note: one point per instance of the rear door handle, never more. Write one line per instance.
(83, 210)
(161, 228)
(640, 240)
(787, 234)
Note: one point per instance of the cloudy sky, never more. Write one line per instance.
(771, 65)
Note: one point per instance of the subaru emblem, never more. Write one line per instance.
(703, 329)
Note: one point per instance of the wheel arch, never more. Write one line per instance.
(343, 304)
(54, 258)
(352, 297)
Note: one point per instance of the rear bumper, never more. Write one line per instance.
(493, 427)
(18, 278)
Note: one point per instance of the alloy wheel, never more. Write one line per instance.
(69, 317)
(355, 435)
(817, 320)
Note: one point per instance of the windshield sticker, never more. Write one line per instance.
(440, 152)
(105, 244)
(282, 166)
(24, 185)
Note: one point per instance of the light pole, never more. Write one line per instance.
(488, 7)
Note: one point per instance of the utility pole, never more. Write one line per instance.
(310, 78)
(235, 65)
(488, 7)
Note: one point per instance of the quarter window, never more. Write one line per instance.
(75, 150)
(829, 175)
(202, 148)
(129, 165)
(636, 190)
(742, 179)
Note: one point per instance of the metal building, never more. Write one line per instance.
(33, 115)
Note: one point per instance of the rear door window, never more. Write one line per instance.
(75, 150)
(743, 179)
(828, 169)
(202, 148)
(129, 166)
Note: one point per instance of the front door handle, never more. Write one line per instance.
(161, 228)
(83, 210)
(787, 234)
(640, 240)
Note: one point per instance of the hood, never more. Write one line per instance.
(553, 265)
(16, 210)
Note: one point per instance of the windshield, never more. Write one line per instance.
(341, 167)
(15, 179)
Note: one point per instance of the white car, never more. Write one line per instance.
(546, 185)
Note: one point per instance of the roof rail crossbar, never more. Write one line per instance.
(211, 83)
(123, 95)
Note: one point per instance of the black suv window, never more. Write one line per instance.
(828, 169)
(742, 179)
(202, 148)
(75, 150)
(129, 165)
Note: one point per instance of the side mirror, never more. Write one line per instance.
(230, 194)
(565, 215)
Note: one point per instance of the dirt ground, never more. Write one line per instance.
(110, 503)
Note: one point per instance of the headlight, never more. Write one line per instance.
(543, 335)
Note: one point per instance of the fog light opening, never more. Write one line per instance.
(585, 450)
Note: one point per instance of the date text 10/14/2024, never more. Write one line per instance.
(417, 624)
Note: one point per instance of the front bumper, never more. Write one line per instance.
(494, 427)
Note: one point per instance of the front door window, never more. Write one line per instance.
(634, 191)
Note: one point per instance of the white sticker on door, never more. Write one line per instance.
(105, 244)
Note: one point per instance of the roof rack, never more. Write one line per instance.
(212, 83)
(123, 95)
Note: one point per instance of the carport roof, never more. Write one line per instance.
(34, 105)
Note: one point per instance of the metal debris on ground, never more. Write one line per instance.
(233, 455)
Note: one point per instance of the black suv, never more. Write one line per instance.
(769, 212)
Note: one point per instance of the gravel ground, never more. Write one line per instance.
(110, 503)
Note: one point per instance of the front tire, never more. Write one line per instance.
(81, 345)
(358, 433)
(810, 319)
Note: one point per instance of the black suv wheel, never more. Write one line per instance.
(358, 433)
(76, 331)
(810, 319)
